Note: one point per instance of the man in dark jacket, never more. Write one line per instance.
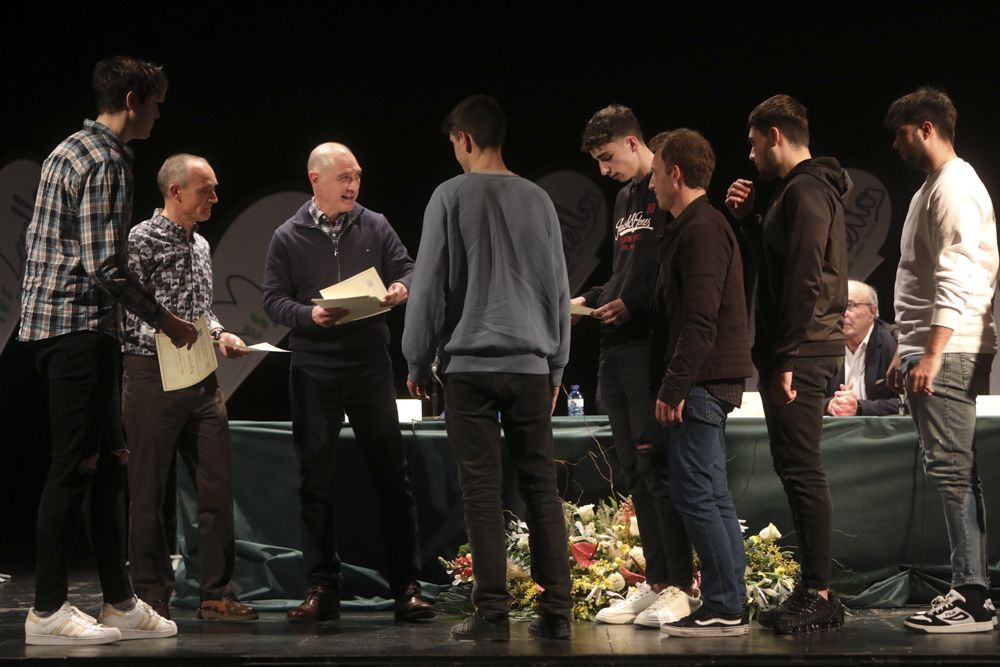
(613, 138)
(700, 320)
(860, 387)
(337, 369)
(799, 344)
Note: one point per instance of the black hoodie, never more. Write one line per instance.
(802, 280)
(638, 222)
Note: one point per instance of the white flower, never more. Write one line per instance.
(522, 541)
(743, 526)
(633, 526)
(770, 534)
(586, 513)
(636, 554)
(616, 582)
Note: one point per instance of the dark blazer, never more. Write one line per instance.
(881, 349)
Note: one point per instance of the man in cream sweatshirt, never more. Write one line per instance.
(944, 291)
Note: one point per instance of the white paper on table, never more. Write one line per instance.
(575, 309)
(256, 347)
(181, 367)
(361, 295)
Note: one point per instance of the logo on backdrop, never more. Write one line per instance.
(18, 183)
(238, 273)
(868, 215)
(583, 216)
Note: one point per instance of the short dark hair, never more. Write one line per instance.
(115, 77)
(785, 113)
(656, 143)
(479, 116)
(614, 121)
(692, 153)
(925, 103)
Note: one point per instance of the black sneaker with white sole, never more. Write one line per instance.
(703, 622)
(812, 614)
(993, 610)
(952, 614)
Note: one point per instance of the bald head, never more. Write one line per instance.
(324, 155)
(335, 176)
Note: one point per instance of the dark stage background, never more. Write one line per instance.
(254, 87)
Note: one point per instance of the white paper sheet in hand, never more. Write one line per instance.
(256, 347)
(181, 367)
(361, 295)
(576, 309)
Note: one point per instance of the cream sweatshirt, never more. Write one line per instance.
(947, 271)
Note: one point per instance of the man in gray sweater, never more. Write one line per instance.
(490, 294)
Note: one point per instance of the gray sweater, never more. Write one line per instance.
(489, 288)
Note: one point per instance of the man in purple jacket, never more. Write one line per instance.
(342, 369)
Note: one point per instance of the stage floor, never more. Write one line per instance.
(870, 637)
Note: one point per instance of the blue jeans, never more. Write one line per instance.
(700, 491)
(946, 425)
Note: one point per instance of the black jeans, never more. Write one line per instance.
(472, 401)
(86, 475)
(624, 386)
(192, 421)
(795, 431)
(320, 396)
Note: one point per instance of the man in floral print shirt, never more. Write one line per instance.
(173, 261)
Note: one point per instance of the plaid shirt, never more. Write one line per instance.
(75, 275)
(178, 270)
(332, 228)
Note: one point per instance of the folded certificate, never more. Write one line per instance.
(361, 295)
(575, 309)
(181, 367)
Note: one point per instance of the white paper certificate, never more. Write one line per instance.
(361, 295)
(181, 367)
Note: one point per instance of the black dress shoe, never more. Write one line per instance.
(548, 626)
(322, 603)
(411, 607)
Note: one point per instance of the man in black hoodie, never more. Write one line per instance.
(613, 138)
(801, 297)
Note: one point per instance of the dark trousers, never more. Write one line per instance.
(192, 422)
(795, 431)
(320, 396)
(472, 401)
(86, 475)
(624, 387)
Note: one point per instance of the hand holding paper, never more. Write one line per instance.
(362, 295)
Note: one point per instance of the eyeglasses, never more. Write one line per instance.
(851, 305)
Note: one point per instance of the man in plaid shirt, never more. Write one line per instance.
(76, 281)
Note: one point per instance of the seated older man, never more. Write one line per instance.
(860, 387)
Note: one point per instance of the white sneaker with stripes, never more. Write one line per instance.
(67, 626)
(141, 622)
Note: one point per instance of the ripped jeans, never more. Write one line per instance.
(87, 473)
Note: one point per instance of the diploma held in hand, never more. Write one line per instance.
(181, 367)
(361, 295)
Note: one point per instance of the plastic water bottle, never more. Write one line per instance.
(574, 406)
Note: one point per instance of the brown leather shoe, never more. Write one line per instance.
(226, 609)
(411, 607)
(322, 603)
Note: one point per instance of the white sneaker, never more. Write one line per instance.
(139, 623)
(671, 605)
(625, 611)
(67, 626)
